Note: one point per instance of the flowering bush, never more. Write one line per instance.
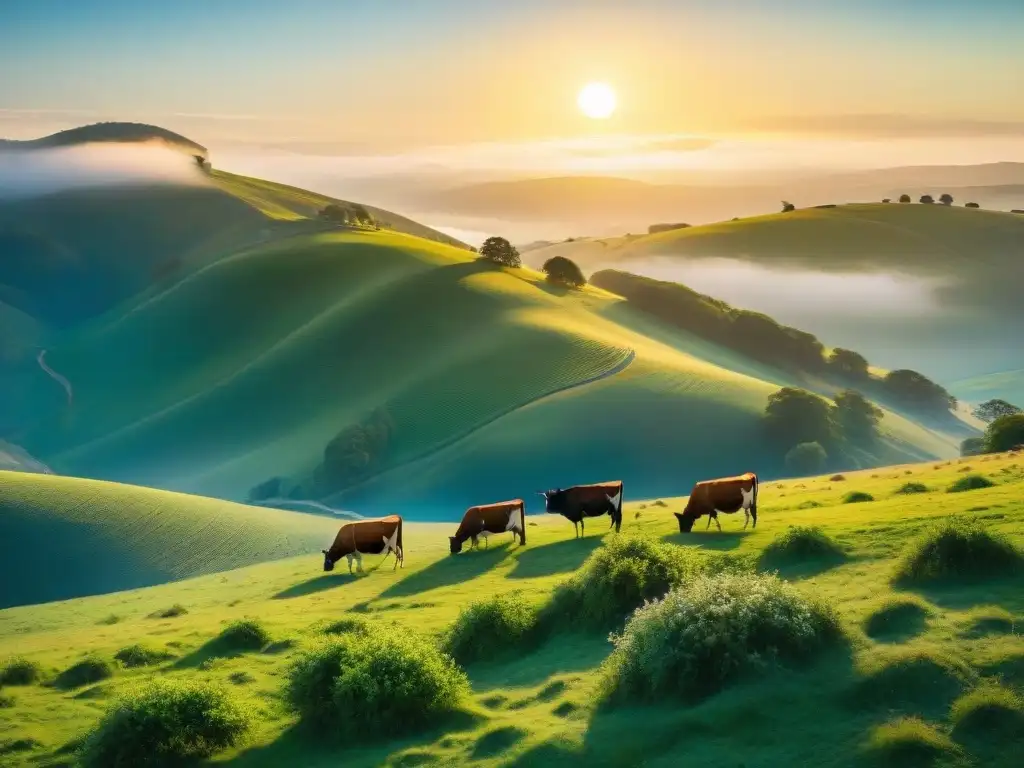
(695, 640)
(503, 622)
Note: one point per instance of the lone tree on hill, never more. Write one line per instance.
(500, 251)
(349, 215)
(946, 198)
(972, 205)
(856, 416)
(849, 364)
(787, 207)
(904, 198)
(563, 271)
(991, 410)
(1005, 433)
(886, 200)
(927, 199)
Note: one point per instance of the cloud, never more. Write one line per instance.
(33, 172)
(888, 126)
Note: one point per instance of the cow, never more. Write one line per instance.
(582, 501)
(726, 495)
(367, 537)
(503, 517)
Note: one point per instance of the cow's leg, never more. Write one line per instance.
(576, 528)
(708, 526)
(583, 527)
(718, 523)
(753, 513)
(359, 562)
(746, 518)
(474, 541)
(398, 558)
(349, 558)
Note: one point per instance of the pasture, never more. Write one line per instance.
(929, 672)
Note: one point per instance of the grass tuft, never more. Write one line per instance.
(989, 719)
(970, 483)
(837, 478)
(166, 722)
(387, 681)
(897, 619)
(910, 488)
(799, 543)
(169, 613)
(908, 741)
(243, 635)
(698, 639)
(500, 624)
(912, 681)
(958, 549)
(7, 702)
(857, 497)
(139, 655)
(85, 672)
(348, 625)
(20, 671)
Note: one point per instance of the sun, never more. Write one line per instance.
(596, 100)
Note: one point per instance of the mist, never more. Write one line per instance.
(34, 172)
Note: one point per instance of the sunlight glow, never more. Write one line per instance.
(596, 100)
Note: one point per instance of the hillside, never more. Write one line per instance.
(119, 133)
(916, 658)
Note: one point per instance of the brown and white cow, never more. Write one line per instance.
(726, 495)
(367, 537)
(488, 519)
(582, 501)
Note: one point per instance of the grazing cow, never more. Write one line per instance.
(582, 501)
(726, 495)
(503, 517)
(367, 537)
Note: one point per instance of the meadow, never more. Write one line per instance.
(926, 672)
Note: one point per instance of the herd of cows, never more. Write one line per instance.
(725, 495)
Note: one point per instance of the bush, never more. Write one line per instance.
(163, 723)
(20, 671)
(961, 549)
(563, 271)
(85, 672)
(502, 623)
(694, 641)
(837, 478)
(169, 613)
(857, 497)
(615, 580)
(375, 685)
(970, 483)
(1005, 433)
(806, 459)
(799, 543)
(6, 702)
(908, 741)
(141, 656)
(243, 635)
(911, 488)
(350, 624)
(990, 718)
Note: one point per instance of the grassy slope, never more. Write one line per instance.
(538, 709)
(1007, 385)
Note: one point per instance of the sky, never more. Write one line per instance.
(386, 77)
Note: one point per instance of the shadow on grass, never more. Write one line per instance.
(1007, 593)
(316, 584)
(452, 569)
(713, 539)
(560, 557)
(809, 567)
(564, 653)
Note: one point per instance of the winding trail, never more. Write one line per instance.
(41, 359)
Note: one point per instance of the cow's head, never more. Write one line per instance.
(328, 563)
(455, 545)
(686, 521)
(554, 501)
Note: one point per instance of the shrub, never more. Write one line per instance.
(169, 613)
(961, 549)
(140, 656)
(972, 446)
(490, 626)
(911, 488)
(165, 722)
(799, 543)
(970, 483)
(243, 635)
(695, 641)
(1004, 433)
(837, 478)
(563, 271)
(857, 497)
(806, 459)
(350, 624)
(85, 672)
(386, 681)
(20, 671)
(908, 741)
(988, 716)
(6, 702)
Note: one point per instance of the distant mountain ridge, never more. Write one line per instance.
(111, 132)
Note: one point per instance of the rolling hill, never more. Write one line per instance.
(109, 133)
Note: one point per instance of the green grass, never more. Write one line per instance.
(537, 704)
(962, 549)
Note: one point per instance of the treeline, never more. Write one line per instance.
(761, 338)
(1005, 429)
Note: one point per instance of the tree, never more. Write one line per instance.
(946, 198)
(972, 205)
(563, 271)
(806, 459)
(991, 410)
(500, 251)
(361, 215)
(972, 446)
(1005, 433)
(795, 416)
(336, 214)
(787, 207)
(886, 200)
(904, 198)
(927, 199)
(856, 416)
(848, 364)
(916, 391)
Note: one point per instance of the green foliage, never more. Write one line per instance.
(971, 205)
(20, 671)
(991, 410)
(856, 417)
(960, 549)
(169, 613)
(244, 635)
(1004, 433)
(970, 483)
(904, 198)
(917, 392)
(946, 199)
(795, 416)
(848, 364)
(972, 446)
(350, 214)
(857, 497)
(500, 251)
(696, 640)
(806, 459)
(799, 543)
(139, 655)
(910, 488)
(500, 625)
(350, 624)
(383, 683)
(990, 719)
(85, 672)
(165, 723)
(355, 454)
(563, 271)
(908, 741)
(7, 702)
(927, 199)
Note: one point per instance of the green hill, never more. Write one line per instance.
(933, 669)
(114, 132)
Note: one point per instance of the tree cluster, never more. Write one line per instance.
(991, 410)
(348, 214)
(354, 454)
(916, 392)
(1003, 434)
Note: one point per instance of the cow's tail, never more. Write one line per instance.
(617, 512)
(401, 547)
(753, 501)
(522, 523)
